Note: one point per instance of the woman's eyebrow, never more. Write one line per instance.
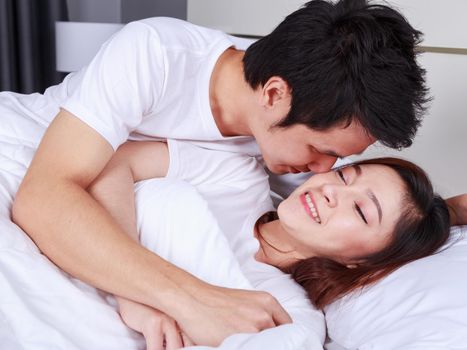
(371, 195)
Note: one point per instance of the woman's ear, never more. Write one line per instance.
(275, 90)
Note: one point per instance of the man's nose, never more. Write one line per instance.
(322, 164)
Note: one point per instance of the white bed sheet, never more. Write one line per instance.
(41, 307)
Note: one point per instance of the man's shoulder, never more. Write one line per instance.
(178, 33)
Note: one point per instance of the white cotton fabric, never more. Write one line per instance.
(42, 307)
(421, 306)
(150, 80)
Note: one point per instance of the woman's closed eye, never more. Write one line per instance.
(341, 176)
(360, 212)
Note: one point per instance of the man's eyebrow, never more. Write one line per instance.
(331, 153)
(335, 154)
(371, 195)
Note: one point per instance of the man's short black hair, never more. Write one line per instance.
(346, 61)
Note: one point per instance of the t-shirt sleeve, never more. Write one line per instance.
(122, 83)
(207, 167)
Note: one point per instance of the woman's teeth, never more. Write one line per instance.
(313, 210)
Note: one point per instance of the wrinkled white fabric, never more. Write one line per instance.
(42, 307)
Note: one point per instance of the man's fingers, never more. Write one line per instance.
(186, 340)
(154, 340)
(277, 312)
(280, 316)
(173, 337)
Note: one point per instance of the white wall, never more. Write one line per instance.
(102, 11)
(441, 144)
(123, 11)
(443, 22)
(246, 17)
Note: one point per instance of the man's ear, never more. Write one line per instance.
(275, 90)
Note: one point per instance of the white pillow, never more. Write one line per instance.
(422, 305)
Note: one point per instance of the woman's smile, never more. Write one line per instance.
(310, 206)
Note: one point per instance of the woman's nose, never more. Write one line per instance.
(330, 194)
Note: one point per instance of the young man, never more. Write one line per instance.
(327, 82)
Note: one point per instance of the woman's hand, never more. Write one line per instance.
(160, 331)
(458, 209)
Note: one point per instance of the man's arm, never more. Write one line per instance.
(82, 238)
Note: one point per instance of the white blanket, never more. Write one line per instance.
(41, 307)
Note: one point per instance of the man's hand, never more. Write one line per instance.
(458, 209)
(221, 312)
(159, 330)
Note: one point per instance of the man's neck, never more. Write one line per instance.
(230, 95)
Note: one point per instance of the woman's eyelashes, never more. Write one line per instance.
(360, 212)
(340, 173)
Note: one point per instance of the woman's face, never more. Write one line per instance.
(343, 214)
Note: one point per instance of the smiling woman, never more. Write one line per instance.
(348, 228)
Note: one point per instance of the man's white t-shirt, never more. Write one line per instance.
(150, 80)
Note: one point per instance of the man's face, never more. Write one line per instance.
(300, 149)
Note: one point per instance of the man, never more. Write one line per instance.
(326, 83)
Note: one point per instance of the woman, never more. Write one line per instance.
(337, 232)
(405, 222)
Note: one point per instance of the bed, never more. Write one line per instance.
(421, 306)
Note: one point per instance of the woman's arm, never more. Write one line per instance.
(458, 209)
(114, 190)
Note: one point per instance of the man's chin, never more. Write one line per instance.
(286, 169)
(277, 169)
(282, 169)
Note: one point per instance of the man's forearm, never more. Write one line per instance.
(78, 235)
